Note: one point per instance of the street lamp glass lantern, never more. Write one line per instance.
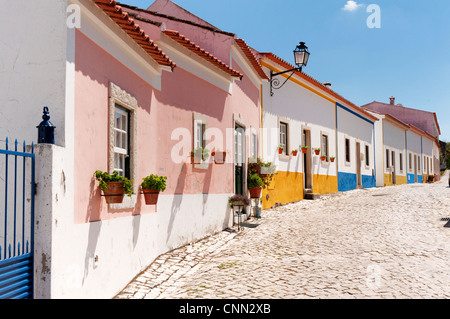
(301, 54)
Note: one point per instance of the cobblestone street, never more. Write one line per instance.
(391, 242)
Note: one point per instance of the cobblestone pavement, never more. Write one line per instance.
(391, 242)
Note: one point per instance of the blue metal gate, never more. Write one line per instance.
(17, 189)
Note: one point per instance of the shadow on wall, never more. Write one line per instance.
(198, 180)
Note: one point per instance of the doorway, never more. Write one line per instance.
(415, 168)
(394, 173)
(307, 171)
(358, 165)
(239, 159)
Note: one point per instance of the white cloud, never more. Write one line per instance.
(351, 6)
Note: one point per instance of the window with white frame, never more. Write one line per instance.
(401, 162)
(284, 137)
(200, 126)
(200, 129)
(347, 150)
(367, 158)
(121, 141)
(387, 158)
(122, 138)
(324, 145)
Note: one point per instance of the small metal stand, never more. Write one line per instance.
(238, 213)
(257, 205)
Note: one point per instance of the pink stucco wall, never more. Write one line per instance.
(158, 114)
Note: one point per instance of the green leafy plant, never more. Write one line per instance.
(200, 152)
(254, 180)
(104, 178)
(265, 170)
(281, 147)
(305, 146)
(154, 182)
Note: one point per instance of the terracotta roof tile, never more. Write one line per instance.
(175, 35)
(251, 57)
(126, 22)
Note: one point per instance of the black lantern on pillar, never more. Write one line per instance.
(301, 57)
(46, 130)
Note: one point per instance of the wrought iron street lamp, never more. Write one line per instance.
(301, 57)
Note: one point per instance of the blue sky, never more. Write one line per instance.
(407, 57)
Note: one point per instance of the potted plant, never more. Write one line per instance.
(255, 184)
(219, 156)
(323, 158)
(294, 152)
(317, 151)
(265, 170)
(280, 149)
(151, 186)
(430, 178)
(238, 200)
(114, 186)
(199, 154)
(304, 149)
(332, 159)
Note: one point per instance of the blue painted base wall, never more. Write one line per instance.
(411, 179)
(368, 181)
(347, 181)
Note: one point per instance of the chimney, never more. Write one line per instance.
(392, 99)
(328, 85)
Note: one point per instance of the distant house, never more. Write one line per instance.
(423, 127)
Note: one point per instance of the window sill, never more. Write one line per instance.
(204, 165)
(128, 202)
(284, 157)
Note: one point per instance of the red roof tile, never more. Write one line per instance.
(175, 35)
(127, 23)
(251, 57)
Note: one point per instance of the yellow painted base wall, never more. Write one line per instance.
(325, 184)
(286, 187)
(400, 180)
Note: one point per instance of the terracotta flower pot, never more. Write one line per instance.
(114, 193)
(323, 158)
(219, 157)
(294, 153)
(280, 151)
(255, 192)
(150, 196)
(317, 152)
(332, 159)
(304, 150)
(195, 159)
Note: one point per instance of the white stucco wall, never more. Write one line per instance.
(394, 141)
(32, 67)
(301, 109)
(356, 130)
(414, 146)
